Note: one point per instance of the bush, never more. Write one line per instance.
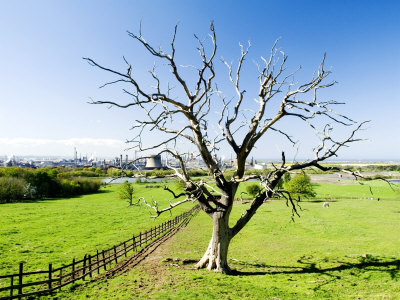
(126, 192)
(12, 172)
(113, 172)
(69, 187)
(253, 189)
(45, 182)
(18, 183)
(12, 189)
(197, 173)
(300, 186)
(286, 177)
(79, 186)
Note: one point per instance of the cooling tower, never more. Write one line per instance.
(153, 162)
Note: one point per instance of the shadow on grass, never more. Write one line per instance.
(309, 265)
(318, 200)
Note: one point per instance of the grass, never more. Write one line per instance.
(350, 250)
(364, 189)
(58, 230)
(347, 251)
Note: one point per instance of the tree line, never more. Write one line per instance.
(17, 184)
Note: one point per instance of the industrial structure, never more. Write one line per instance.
(153, 162)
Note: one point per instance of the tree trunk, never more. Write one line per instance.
(216, 256)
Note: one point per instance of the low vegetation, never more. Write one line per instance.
(18, 184)
(300, 186)
(327, 253)
(58, 230)
(253, 189)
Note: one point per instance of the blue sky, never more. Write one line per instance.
(45, 85)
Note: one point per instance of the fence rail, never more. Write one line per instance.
(24, 284)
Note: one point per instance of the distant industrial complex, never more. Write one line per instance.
(136, 162)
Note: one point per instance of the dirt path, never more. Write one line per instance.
(149, 258)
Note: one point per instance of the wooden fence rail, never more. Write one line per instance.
(24, 284)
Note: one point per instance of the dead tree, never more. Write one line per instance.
(240, 129)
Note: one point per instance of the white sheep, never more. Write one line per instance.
(326, 204)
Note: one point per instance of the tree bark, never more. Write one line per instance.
(216, 256)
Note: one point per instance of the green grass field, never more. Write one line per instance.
(58, 230)
(370, 189)
(348, 250)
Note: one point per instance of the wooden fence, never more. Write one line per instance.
(24, 284)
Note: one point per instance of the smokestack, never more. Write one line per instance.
(120, 160)
(75, 156)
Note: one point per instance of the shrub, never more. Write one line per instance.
(253, 189)
(300, 186)
(12, 189)
(69, 187)
(286, 177)
(12, 172)
(45, 182)
(126, 192)
(197, 173)
(113, 172)
(87, 185)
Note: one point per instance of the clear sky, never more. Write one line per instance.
(45, 85)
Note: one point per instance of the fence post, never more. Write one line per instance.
(50, 275)
(140, 239)
(73, 268)
(104, 260)
(60, 279)
(98, 261)
(21, 272)
(125, 248)
(11, 289)
(115, 254)
(90, 266)
(133, 243)
(84, 267)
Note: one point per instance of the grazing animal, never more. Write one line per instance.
(326, 204)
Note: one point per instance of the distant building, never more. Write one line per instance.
(153, 162)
